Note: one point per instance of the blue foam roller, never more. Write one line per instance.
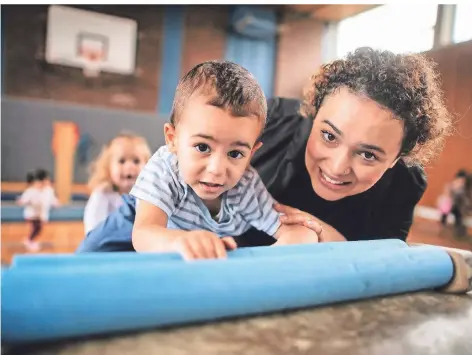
(63, 260)
(54, 303)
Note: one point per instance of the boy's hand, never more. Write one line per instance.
(202, 244)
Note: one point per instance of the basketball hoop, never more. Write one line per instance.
(92, 62)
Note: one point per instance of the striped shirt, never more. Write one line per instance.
(247, 205)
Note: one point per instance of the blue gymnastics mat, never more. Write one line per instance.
(73, 212)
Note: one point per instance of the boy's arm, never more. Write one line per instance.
(156, 193)
(150, 232)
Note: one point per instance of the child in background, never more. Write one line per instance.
(199, 190)
(37, 199)
(444, 204)
(30, 179)
(455, 200)
(113, 174)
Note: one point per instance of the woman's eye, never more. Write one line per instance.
(202, 148)
(369, 156)
(235, 154)
(328, 137)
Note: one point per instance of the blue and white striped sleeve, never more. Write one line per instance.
(256, 205)
(158, 184)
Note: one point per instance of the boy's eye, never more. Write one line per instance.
(137, 161)
(235, 154)
(121, 161)
(202, 148)
(328, 137)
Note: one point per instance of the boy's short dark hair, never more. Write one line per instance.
(41, 174)
(228, 86)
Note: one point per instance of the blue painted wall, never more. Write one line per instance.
(171, 57)
(256, 55)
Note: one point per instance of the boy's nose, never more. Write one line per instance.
(216, 166)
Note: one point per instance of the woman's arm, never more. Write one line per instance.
(296, 234)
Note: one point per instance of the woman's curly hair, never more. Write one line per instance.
(405, 84)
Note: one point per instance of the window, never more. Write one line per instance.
(462, 24)
(396, 27)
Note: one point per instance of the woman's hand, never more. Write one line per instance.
(293, 216)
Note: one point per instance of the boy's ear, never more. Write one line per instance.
(169, 134)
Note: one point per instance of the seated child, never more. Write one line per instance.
(113, 174)
(37, 199)
(199, 190)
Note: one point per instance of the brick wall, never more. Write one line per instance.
(27, 75)
(205, 27)
(298, 55)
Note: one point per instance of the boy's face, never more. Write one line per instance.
(213, 147)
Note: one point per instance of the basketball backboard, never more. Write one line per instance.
(92, 41)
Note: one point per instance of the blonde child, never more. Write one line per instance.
(37, 200)
(113, 174)
(199, 190)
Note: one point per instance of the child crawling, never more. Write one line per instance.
(199, 190)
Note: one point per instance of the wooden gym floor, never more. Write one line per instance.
(64, 237)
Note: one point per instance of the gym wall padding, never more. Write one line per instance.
(73, 212)
(12, 196)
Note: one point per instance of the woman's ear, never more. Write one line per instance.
(170, 136)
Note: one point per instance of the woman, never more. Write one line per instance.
(348, 157)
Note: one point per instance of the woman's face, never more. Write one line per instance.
(352, 143)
